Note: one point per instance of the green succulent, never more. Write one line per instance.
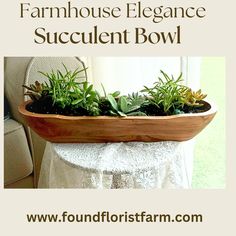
(63, 86)
(167, 93)
(125, 106)
(64, 92)
(137, 99)
(87, 98)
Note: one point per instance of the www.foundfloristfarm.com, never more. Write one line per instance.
(108, 217)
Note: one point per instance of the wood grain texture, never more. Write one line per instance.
(86, 129)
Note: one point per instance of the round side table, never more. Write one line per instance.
(117, 165)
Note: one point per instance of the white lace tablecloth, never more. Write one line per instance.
(117, 165)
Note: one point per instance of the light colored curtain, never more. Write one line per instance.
(129, 74)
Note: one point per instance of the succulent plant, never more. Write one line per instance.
(66, 93)
(35, 91)
(193, 99)
(64, 87)
(137, 99)
(125, 106)
(171, 96)
(167, 93)
(87, 98)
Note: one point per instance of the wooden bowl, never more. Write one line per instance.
(87, 129)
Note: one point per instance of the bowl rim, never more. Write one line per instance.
(23, 111)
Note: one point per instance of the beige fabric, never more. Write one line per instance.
(27, 182)
(14, 77)
(38, 146)
(17, 158)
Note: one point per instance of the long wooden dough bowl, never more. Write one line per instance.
(86, 129)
